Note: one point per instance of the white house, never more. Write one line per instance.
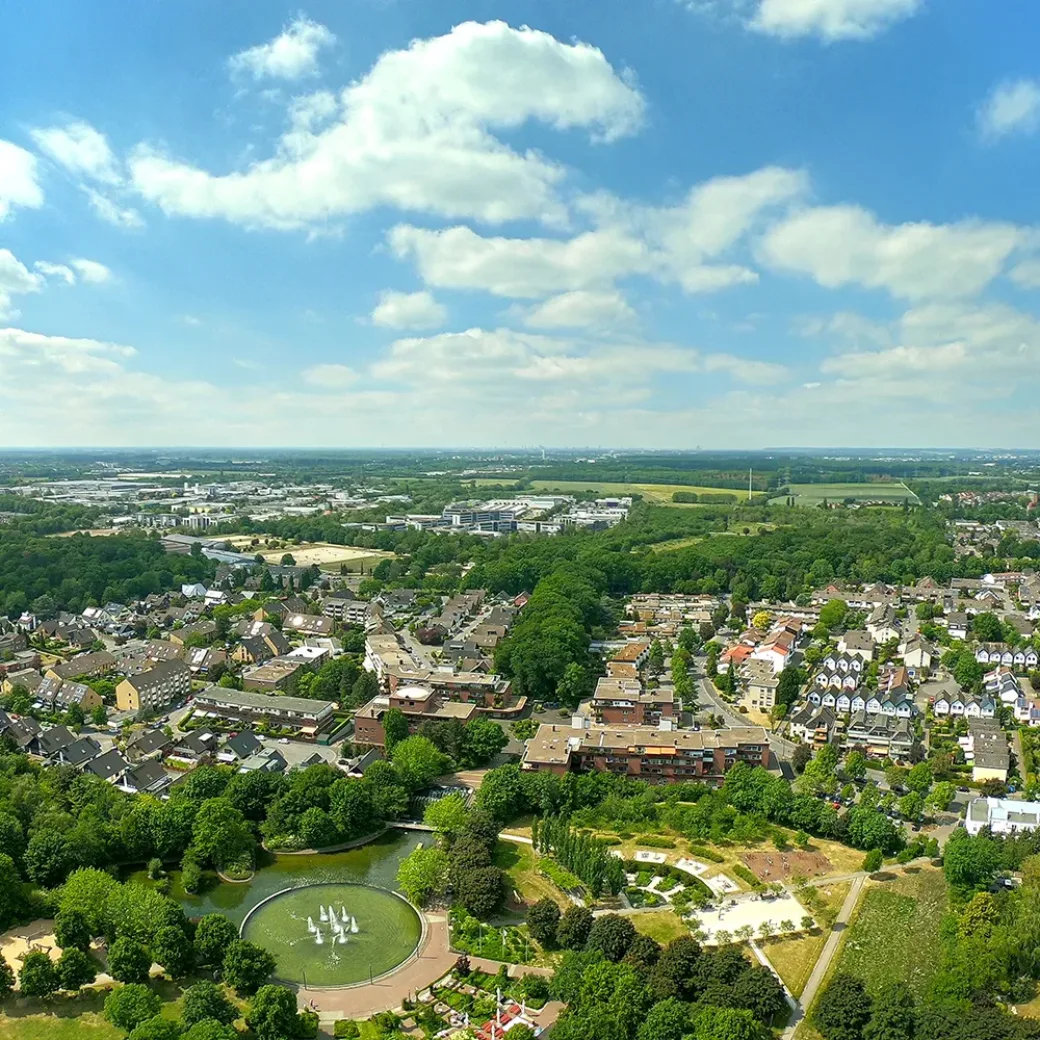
(1001, 815)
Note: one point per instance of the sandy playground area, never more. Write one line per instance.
(782, 866)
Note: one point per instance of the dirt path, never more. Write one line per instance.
(824, 961)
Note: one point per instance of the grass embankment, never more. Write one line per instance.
(661, 925)
(795, 958)
(520, 864)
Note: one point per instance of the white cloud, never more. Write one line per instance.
(459, 258)
(1012, 108)
(91, 270)
(580, 309)
(669, 243)
(19, 185)
(745, 370)
(81, 149)
(111, 212)
(50, 270)
(1027, 274)
(846, 245)
(15, 279)
(330, 376)
(398, 310)
(293, 54)
(415, 133)
(831, 20)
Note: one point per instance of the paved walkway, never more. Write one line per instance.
(805, 1003)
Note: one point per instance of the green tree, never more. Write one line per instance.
(986, 627)
(894, 1014)
(482, 740)
(38, 976)
(501, 793)
(572, 933)
(418, 762)
(156, 1028)
(844, 1009)
(423, 873)
(247, 966)
(6, 978)
(205, 1000)
(395, 728)
(611, 935)
(48, 858)
(480, 890)
(210, 1030)
(856, 765)
(128, 961)
(667, 1020)
(448, 815)
(130, 1005)
(272, 1013)
(941, 796)
(833, 613)
(75, 968)
(173, 951)
(221, 834)
(543, 918)
(970, 862)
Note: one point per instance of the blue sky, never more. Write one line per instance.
(680, 223)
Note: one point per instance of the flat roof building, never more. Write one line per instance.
(657, 756)
(1002, 815)
(301, 713)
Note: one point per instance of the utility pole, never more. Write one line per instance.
(750, 478)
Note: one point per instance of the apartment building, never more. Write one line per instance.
(645, 754)
(152, 690)
(624, 702)
(308, 716)
(416, 703)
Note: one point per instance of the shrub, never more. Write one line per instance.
(38, 977)
(705, 853)
(346, 1029)
(653, 841)
(745, 875)
(75, 968)
(872, 860)
(128, 961)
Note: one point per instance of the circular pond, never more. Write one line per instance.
(334, 934)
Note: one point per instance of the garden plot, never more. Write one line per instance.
(782, 866)
(762, 916)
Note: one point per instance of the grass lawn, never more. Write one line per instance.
(814, 494)
(895, 936)
(88, 1026)
(662, 926)
(521, 869)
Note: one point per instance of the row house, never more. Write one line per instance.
(1000, 654)
(880, 736)
(814, 724)
(965, 705)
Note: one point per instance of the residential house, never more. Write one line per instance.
(879, 735)
(203, 629)
(56, 695)
(309, 624)
(987, 749)
(148, 744)
(624, 702)
(49, 743)
(883, 625)
(145, 778)
(201, 659)
(110, 766)
(238, 747)
(857, 643)
(195, 747)
(91, 665)
(336, 603)
(1001, 816)
(79, 753)
(814, 725)
(416, 703)
(275, 674)
(918, 656)
(265, 760)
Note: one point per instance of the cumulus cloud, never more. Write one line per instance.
(416, 133)
(330, 376)
(1012, 108)
(19, 185)
(91, 270)
(111, 212)
(49, 270)
(399, 310)
(80, 149)
(745, 370)
(831, 20)
(847, 245)
(15, 279)
(459, 258)
(580, 309)
(292, 54)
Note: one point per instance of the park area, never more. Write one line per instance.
(895, 936)
(321, 554)
(892, 494)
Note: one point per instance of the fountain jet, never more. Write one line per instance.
(323, 913)
(318, 937)
(311, 926)
(353, 926)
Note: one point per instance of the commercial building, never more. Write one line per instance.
(308, 716)
(654, 755)
(416, 703)
(152, 690)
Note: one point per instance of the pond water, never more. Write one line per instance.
(334, 934)
(373, 864)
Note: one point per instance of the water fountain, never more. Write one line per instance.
(323, 913)
(353, 926)
(318, 936)
(311, 926)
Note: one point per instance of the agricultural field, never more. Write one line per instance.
(752, 527)
(895, 936)
(657, 494)
(815, 494)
